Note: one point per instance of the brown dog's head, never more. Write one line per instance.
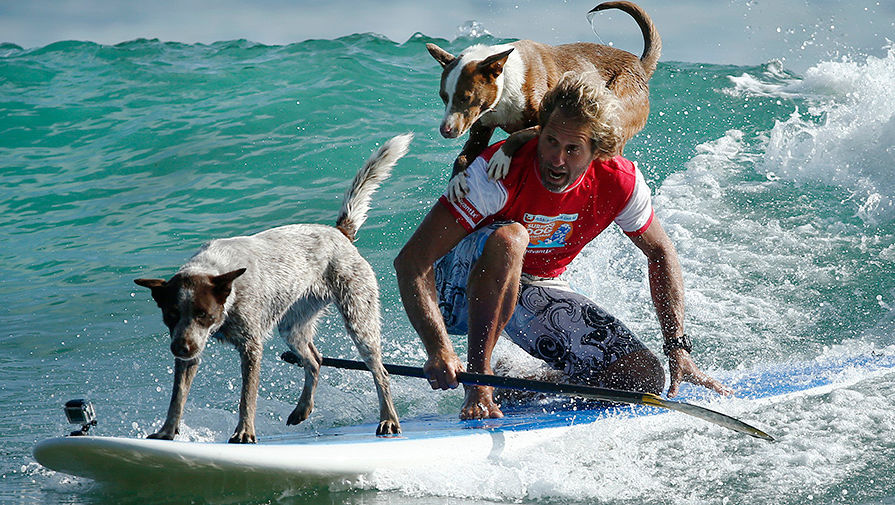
(192, 307)
(470, 84)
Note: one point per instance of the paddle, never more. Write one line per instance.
(604, 394)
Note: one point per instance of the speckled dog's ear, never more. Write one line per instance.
(150, 283)
(223, 284)
(157, 286)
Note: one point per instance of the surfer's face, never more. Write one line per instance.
(564, 152)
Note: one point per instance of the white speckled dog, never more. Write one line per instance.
(237, 289)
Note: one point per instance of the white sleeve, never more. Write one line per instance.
(638, 212)
(485, 197)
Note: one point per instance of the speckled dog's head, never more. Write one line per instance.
(192, 307)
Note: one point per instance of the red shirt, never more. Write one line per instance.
(559, 224)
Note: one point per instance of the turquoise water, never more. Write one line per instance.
(119, 161)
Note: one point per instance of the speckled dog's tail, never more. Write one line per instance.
(357, 198)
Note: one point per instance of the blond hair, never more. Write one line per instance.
(584, 98)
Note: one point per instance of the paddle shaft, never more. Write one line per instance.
(595, 393)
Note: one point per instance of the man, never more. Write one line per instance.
(490, 262)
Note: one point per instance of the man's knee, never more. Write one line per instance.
(637, 371)
(511, 239)
(407, 264)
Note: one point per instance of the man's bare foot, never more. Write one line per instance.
(479, 404)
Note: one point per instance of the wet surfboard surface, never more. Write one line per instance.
(352, 451)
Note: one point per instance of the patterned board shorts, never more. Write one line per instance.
(551, 322)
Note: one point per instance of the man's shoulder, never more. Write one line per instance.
(528, 149)
(490, 150)
(519, 174)
(516, 174)
(618, 171)
(620, 165)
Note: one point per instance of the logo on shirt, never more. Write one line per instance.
(474, 215)
(547, 232)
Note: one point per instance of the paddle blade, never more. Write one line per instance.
(707, 415)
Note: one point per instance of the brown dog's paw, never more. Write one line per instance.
(387, 428)
(242, 438)
(458, 187)
(499, 165)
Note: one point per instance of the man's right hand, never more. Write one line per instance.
(441, 370)
(414, 266)
(682, 368)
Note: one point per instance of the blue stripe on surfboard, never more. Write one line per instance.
(765, 382)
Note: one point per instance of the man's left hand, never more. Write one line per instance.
(682, 368)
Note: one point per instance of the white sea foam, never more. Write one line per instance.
(748, 85)
(847, 138)
(819, 435)
(844, 138)
(732, 263)
(757, 260)
(472, 30)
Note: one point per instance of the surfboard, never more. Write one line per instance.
(353, 451)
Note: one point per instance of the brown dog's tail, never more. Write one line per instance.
(356, 202)
(652, 43)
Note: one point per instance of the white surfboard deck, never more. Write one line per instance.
(350, 452)
(336, 453)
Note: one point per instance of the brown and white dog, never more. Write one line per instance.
(238, 289)
(486, 87)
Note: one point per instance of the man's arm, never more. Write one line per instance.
(667, 291)
(436, 236)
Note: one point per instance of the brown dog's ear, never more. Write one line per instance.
(493, 65)
(441, 56)
(223, 284)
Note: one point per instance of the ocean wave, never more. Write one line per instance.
(844, 137)
(773, 81)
